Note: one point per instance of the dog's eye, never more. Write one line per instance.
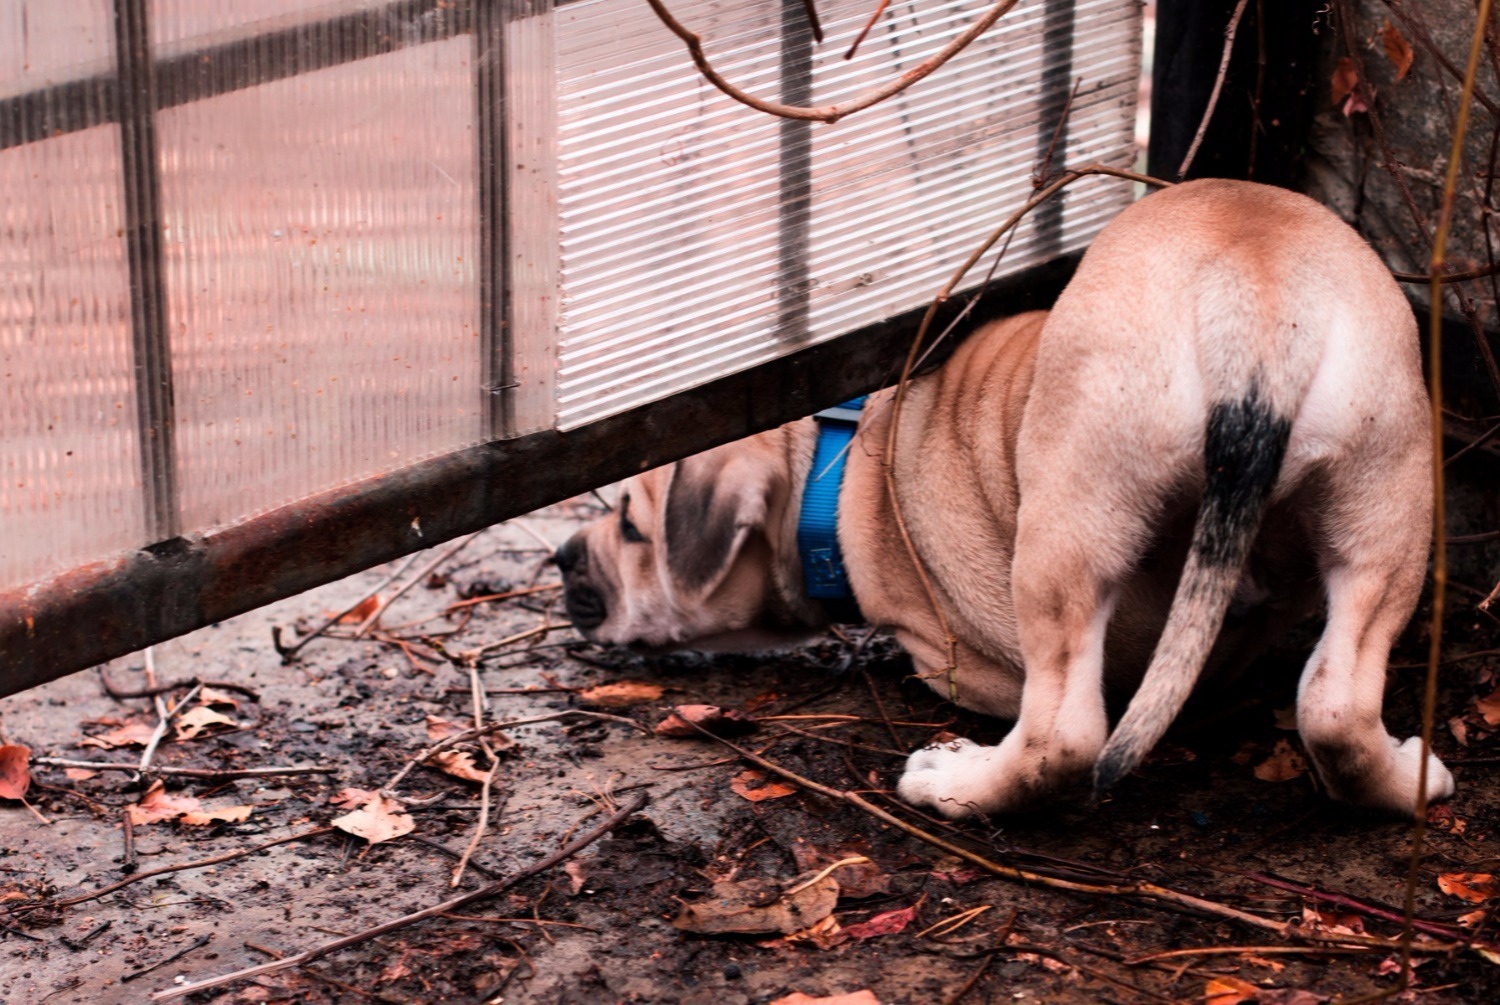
(630, 532)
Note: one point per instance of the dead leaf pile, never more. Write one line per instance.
(754, 785)
(1475, 887)
(1284, 764)
(15, 771)
(620, 694)
(127, 733)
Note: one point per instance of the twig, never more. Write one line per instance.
(1165, 896)
(127, 830)
(813, 24)
(164, 720)
(829, 113)
(488, 597)
(1355, 904)
(859, 39)
(494, 727)
(1475, 444)
(214, 774)
(374, 616)
(182, 867)
(475, 655)
(151, 692)
(452, 904)
(1448, 277)
(1213, 96)
(198, 943)
(1172, 954)
(968, 985)
(289, 653)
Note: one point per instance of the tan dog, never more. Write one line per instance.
(1223, 416)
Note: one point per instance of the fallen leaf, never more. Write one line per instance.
(1475, 887)
(213, 696)
(620, 694)
(1283, 765)
(578, 874)
(1460, 730)
(459, 764)
(1473, 918)
(1225, 990)
(861, 879)
(352, 797)
(361, 611)
(1261, 961)
(753, 906)
(131, 734)
(80, 774)
(1344, 80)
(195, 720)
(754, 786)
(1397, 50)
(1333, 922)
(379, 818)
(439, 728)
(726, 722)
(15, 771)
(1287, 996)
(886, 923)
(156, 805)
(229, 815)
(1442, 818)
(850, 998)
(824, 934)
(1489, 708)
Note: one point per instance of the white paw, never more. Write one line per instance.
(952, 778)
(1408, 762)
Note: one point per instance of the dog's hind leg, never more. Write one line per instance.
(1066, 576)
(1374, 534)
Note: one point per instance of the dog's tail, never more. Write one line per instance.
(1244, 445)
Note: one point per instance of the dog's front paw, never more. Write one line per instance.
(952, 778)
(1408, 762)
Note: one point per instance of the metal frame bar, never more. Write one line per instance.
(183, 584)
(151, 347)
(794, 215)
(496, 365)
(205, 71)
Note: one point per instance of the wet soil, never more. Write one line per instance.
(1195, 818)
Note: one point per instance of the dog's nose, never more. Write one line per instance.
(571, 555)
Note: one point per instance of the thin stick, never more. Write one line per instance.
(127, 830)
(176, 685)
(215, 774)
(829, 113)
(1213, 96)
(1439, 519)
(182, 867)
(494, 727)
(1172, 954)
(858, 39)
(421, 575)
(289, 653)
(1448, 277)
(452, 904)
(487, 598)
(164, 719)
(484, 819)
(1137, 890)
(198, 943)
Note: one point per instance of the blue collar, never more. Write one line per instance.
(817, 526)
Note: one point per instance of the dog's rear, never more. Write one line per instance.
(1241, 345)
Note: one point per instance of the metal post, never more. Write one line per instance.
(151, 346)
(1052, 123)
(794, 224)
(497, 367)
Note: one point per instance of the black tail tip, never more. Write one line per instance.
(1112, 766)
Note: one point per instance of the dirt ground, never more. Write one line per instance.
(1224, 811)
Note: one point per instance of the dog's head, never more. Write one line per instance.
(689, 558)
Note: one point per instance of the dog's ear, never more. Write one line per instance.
(712, 509)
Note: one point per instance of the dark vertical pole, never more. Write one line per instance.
(143, 236)
(795, 220)
(1057, 84)
(497, 374)
(1274, 107)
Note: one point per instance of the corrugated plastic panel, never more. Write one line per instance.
(70, 477)
(321, 244)
(674, 242)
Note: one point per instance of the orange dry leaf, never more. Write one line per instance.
(1489, 709)
(1344, 83)
(1333, 922)
(213, 696)
(724, 722)
(196, 720)
(439, 728)
(459, 764)
(1283, 765)
(131, 734)
(156, 806)
(851, 998)
(620, 694)
(887, 923)
(752, 784)
(1225, 990)
(1475, 887)
(80, 774)
(1397, 50)
(15, 771)
(380, 818)
(228, 815)
(363, 610)
(352, 797)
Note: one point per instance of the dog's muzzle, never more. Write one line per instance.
(585, 605)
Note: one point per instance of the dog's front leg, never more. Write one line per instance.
(1062, 724)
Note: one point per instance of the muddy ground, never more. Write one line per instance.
(1199, 817)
